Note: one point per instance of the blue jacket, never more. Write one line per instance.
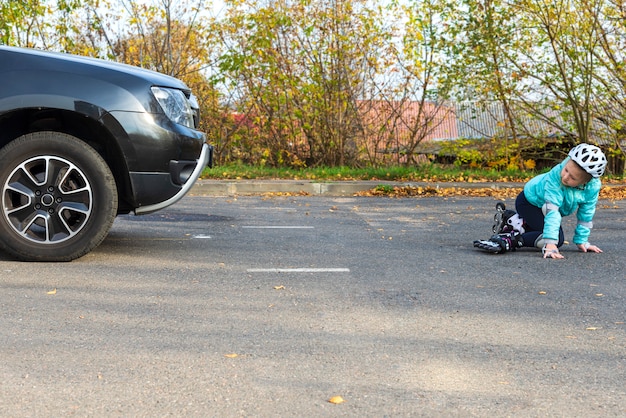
(547, 189)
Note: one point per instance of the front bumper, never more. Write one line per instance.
(177, 176)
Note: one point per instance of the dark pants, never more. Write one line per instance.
(534, 220)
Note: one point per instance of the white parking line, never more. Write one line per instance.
(277, 227)
(300, 270)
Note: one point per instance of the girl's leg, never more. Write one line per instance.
(534, 219)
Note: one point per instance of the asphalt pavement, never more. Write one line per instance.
(274, 305)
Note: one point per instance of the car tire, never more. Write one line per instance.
(59, 198)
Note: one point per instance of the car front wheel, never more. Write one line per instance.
(59, 197)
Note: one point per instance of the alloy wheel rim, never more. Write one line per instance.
(47, 199)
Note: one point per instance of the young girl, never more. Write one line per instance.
(571, 186)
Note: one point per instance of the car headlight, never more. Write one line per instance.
(175, 105)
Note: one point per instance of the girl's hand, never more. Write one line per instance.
(551, 251)
(586, 247)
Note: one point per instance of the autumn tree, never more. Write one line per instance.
(298, 67)
(418, 76)
(45, 24)
(541, 60)
(562, 71)
(335, 82)
(610, 101)
(492, 48)
(570, 73)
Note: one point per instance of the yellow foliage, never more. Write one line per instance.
(530, 164)
(611, 193)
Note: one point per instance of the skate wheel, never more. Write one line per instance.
(500, 206)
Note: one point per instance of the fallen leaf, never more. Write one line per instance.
(336, 400)
(543, 292)
(281, 287)
(617, 192)
(232, 355)
(592, 328)
(52, 292)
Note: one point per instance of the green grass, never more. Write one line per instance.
(428, 172)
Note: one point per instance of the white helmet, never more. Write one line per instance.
(590, 158)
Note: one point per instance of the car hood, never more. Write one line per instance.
(16, 59)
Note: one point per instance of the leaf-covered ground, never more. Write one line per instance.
(607, 192)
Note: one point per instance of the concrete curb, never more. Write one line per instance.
(340, 188)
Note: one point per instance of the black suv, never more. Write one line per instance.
(83, 140)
